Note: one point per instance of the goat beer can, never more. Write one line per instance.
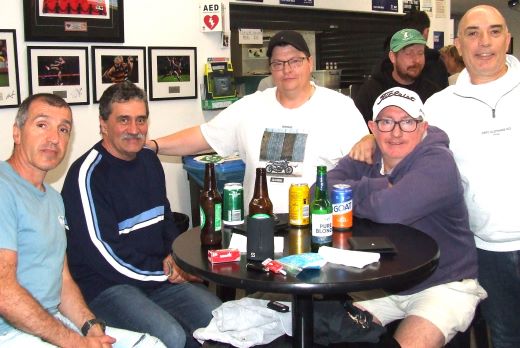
(299, 200)
(341, 207)
(233, 204)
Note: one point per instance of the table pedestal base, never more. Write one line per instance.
(302, 321)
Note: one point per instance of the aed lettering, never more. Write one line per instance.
(212, 7)
(347, 206)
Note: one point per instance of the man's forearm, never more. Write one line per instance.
(72, 304)
(23, 312)
(185, 142)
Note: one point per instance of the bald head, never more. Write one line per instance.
(486, 10)
(483, 41)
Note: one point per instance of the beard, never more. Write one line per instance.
(410, 74)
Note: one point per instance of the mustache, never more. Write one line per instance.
(133, 136)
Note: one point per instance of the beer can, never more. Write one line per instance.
(299, 200)
(341, 200)
(233, 213)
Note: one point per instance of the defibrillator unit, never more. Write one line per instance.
(219, 81)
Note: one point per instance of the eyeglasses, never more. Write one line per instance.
(293, 63)
(387, 124)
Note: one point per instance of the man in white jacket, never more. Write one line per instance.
(480, 115)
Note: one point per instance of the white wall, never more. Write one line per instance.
(157, 23)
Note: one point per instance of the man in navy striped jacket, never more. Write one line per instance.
(120, 230)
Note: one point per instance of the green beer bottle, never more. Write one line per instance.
(321, 212)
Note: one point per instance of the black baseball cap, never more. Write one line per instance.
(288, 37)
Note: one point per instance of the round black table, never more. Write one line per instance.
(416, 258)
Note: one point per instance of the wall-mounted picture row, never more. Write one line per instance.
(64, 71)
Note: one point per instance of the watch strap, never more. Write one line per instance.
(89, 323)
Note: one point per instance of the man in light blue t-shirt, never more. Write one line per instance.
(40, 304)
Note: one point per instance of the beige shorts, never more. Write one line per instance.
(450, 307)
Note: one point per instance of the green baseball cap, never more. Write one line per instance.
(405, 37)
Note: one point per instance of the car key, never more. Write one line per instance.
(278, 306)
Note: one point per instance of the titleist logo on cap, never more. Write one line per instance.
(396, 94)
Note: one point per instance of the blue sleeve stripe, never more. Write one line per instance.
(142, 220)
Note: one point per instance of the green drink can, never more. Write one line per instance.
(233, 213)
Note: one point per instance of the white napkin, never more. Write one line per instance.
(245, 323)
(239, 241)
(358, 259)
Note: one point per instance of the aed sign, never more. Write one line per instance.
(210, 16)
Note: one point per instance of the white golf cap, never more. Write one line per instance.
(403, 98)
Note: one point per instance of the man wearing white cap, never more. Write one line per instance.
(414, 181)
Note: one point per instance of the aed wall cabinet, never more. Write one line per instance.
(219, 84)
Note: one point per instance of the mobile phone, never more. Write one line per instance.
(278, 306)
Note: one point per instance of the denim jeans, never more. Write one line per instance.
(499, 274)
(170, 312)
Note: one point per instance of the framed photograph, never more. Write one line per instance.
(172, 72)
(9, 83)
(59, 70)
(74, 20)
(116, 64)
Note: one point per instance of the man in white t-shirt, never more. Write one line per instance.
(289, 129)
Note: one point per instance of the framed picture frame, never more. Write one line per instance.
(74, 20)
(112, 64)
(172, 72)
(9, 81)
(59, 70)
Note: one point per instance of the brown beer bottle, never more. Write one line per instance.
(260, 203)
(210, 209)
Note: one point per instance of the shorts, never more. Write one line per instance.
(450, 307)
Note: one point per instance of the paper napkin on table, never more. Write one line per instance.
(358, 259)
(239, 241)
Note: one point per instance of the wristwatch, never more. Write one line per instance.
(89, 323)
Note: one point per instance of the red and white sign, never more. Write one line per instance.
(210, 16)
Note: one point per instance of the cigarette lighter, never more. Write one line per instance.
(274, 266)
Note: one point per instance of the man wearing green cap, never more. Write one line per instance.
(407, 56)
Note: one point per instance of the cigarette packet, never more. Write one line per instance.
(223, 255)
